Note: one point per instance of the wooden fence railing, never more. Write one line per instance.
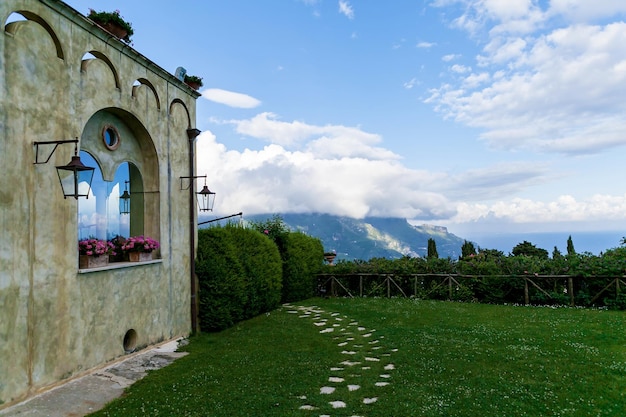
(527, 289)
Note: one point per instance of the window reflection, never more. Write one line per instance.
(99, 215)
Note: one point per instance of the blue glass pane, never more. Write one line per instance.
(99, 215)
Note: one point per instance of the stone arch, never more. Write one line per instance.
(147, 83)
(178, 102)
(135, 147)
(13, 28)
(99, 55)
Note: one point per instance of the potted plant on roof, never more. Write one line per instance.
(193, 81)
(93, 253)
(330, 257)
(139, 248)
(113, 23)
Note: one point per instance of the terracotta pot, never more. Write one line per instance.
(115, 30)
(195, 86)
(90, 261)
(140, 256)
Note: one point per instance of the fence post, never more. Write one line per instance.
(450, 288)
(388, 286)
(360, 285)
(526, 296)
(570, 289)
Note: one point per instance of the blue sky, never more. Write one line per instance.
(479, 115)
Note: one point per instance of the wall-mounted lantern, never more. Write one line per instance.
(72, 174)
(205, 197)
(125, 200)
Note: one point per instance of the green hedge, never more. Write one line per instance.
(244, 272)
(240, 275)
(490, 276)
(303, 257)
(261, 262)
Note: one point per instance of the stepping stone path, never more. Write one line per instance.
(367, 361)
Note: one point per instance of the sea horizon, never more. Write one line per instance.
(592, 242)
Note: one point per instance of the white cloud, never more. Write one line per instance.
(561, 91)
(425, 45)
(266, 126)
(581, 10)
(495, 181)
(274, 180)
(564, 209)
(475, 80)
(450, 57)
(346, 9)
(502, 51)
(411, 83)
(511, 16)
(398, 45)
(460, 69)
(342, 170)
(325, 141)
(230, 98)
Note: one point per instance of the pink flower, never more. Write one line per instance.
(140, 244)
(95, 247)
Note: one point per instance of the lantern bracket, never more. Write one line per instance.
(56, 143)
(72, 174)
(182, 187)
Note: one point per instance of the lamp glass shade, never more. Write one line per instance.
(206, 199)
(125, 202)
(75, 178)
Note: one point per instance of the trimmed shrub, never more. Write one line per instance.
(302, 258)
(302, 261)
(262, 266)
(239, 272)
(222, 280)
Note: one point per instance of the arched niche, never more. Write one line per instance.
(178, 110)
(132, 145)
(139, 82)
(90, 57)
(13, 25)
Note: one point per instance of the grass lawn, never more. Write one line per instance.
(396, 357)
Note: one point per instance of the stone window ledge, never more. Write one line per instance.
(119, 265)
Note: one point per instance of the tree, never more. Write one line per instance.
(528, 249)
(570, 246)
(556, 254)
(274, 228)
(432, 249)
(467, 249)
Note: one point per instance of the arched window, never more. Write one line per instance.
(106, 213)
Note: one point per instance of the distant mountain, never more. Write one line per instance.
(394, 237)
(373, 237)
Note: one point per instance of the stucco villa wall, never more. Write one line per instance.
(57, 321)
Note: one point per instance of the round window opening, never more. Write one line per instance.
(111, 137)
